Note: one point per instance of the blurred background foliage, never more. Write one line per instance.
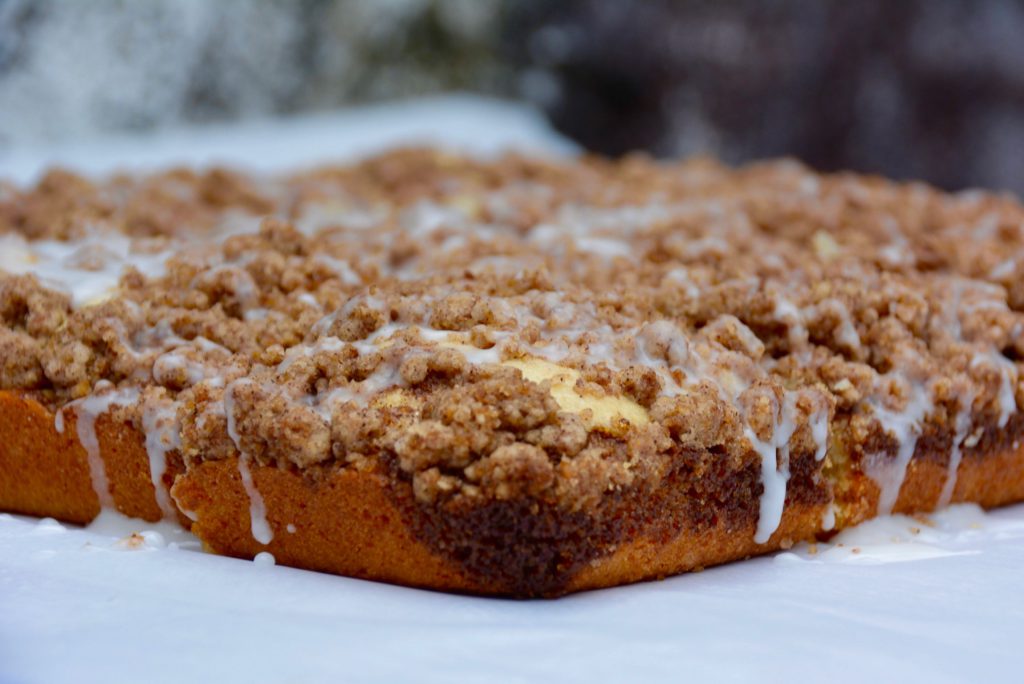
(929, 89)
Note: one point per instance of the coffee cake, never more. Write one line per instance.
(510, 376)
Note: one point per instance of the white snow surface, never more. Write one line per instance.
(461, 122)
(85, 605)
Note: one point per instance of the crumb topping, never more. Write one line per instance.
(520, 327)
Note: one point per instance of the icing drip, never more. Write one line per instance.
(774, 453)
(963, 424)
(264, 558)
(163, 435)
(905, 427)
(986, 297)
(261, 531)
(828, 520)
(774, 469)
(1008, 378)
(819, 432)
(259, 526)
(87, 411)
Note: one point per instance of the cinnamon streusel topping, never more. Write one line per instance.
(520, 328)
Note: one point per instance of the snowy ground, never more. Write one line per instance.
(897, 601)
(461, 122)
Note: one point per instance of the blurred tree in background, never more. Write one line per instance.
(69, 68)
(928, 89)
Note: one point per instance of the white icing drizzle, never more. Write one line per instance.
(1008, 377)
(1004, 269)
(326, 214)
(985, 296)
(819, 432)
(87, 410)
(167, 364)
(260, 527)
(341, 268)
(191, 515)
(264, 558)
(681, 276)
(846, 333)
(608, 248)
(963, 424)
(88, 269)
(897, 253)
(905, 427)
(901, 538)
(774, 453)
(163, 435)
(787, 312)
(828, 519)
(242, 285)
(774, 469)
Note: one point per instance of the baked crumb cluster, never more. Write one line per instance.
(519, 327)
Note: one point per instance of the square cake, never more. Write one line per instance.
(512, 376)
